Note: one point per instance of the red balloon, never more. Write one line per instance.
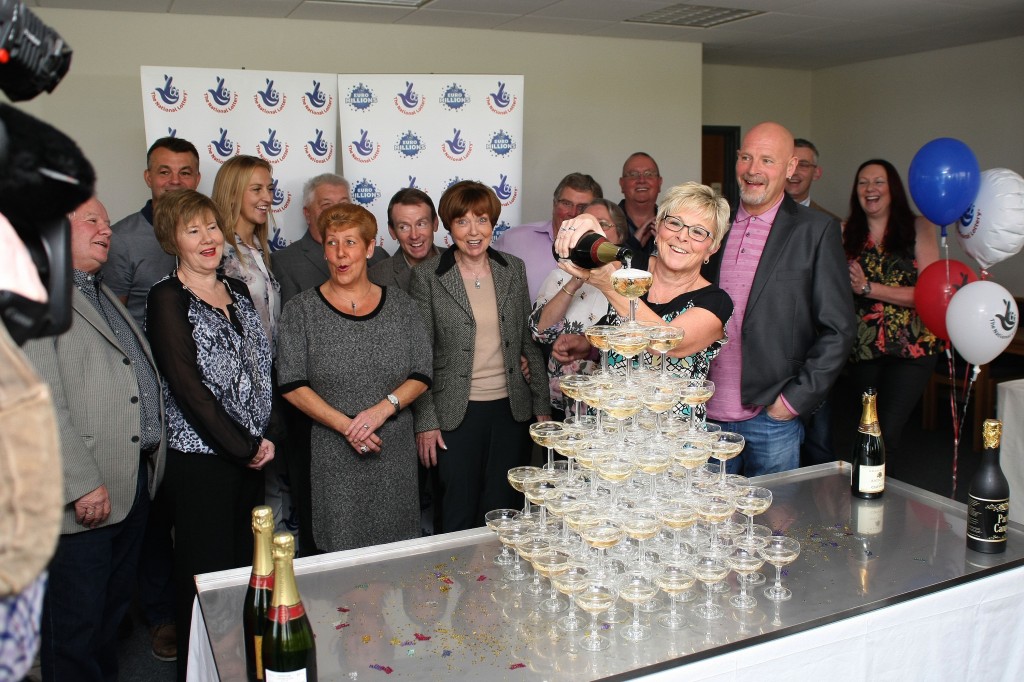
(934, 290)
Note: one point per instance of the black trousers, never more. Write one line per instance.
(211, 501)
(473, 471)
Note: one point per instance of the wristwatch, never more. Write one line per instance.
(866, 289)
(393, 399)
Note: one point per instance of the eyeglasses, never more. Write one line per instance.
(696, 232)
(636, 175)
(567, 205)
(805, 165)
(605, 225)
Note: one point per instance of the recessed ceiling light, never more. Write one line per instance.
(694, 16)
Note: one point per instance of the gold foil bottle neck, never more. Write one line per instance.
(262, 519)
(992, 433)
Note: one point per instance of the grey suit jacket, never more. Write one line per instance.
(799, 323)
(441, 295)
(301, 265)
(395, 271)
(93, 383)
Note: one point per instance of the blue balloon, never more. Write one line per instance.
(944, 179)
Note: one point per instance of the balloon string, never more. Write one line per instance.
(969, 384)
(951, 368)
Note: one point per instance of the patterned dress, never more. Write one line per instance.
(885, 329)
(352, 363)
(696, 365)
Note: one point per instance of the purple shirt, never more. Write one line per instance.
(532, 243)
(742, 254)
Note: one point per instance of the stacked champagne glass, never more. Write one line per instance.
(636, 509)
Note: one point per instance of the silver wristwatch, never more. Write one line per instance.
(393, 399)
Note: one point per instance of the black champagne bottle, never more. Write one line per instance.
(261, 587)
(988, 498)
(594, 250)
(867, 479)
(289, 650)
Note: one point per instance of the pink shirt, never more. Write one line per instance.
(742, 253)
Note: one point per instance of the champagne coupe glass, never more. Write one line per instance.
(550, 563)
(517, 478)
(511, 535)
(570, 385)
(677, 515)
(628, 342)
(612, 569)
(632, 284)
(710, 569)
(693, 452)
(615, 470)
(713, 509)
(663, 339)
(569, 583)
(594, 597)
(674, 580)
(695, 392)
(620, 406)
(636, 587)
(744, 561)
(529, 546)
(595, 393)
(660, 397)
(494, 520)
(602, 535)
(752, 500)
(545, 434)
(568, 444)
(560, 502)
(641, 525)
(535, 490)
(597, 335)
(724, 446)
(654, 462)
(780, 551)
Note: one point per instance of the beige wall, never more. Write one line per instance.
(744, 96)
(586, 108)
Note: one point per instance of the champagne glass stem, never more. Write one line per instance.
(551, 458)
(604, 362)
(664, 364)
(632, 311)
(778, 578)
(578, 405)
(721, 471)
(750, 526)
(693, 418)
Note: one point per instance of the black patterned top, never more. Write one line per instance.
(217, 370)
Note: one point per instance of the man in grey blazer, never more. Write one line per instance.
(793, 324)
(107, 398)
(412, 222)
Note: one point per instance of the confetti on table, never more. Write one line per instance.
(410, 652)
(366, 639)
(395, 641)
(353, 675)
(342, 609)
(481, 578)
(363, 586)
(517, 666)
(383, 668)
(447, 581)
(409, 642)
(338, 626)
(421, 637)
(446, 653)
(445, 588)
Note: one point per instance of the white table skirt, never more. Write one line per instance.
(1010, 396)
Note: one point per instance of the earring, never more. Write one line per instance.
(706, 261)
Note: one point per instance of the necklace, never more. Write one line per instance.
(476, 275)
(356, 302)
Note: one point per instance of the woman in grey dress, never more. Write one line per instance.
(353, 356)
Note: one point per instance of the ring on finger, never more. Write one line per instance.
(363, 449)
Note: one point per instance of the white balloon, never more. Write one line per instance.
(981, 319)
(992, 229)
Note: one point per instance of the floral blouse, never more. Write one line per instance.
(884, 328)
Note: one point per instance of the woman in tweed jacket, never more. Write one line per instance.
(473, 424)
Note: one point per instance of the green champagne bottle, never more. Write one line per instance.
(867, 478)
(289, 651)
(261, 587)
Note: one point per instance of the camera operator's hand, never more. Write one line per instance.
(93, 508)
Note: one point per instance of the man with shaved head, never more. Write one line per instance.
(793, 324)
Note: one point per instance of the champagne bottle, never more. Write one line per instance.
(988, 498)
(289, 651)
(867, 479)
(594, 250)
(261, 585)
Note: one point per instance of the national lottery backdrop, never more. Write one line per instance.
(286, 118)
(430, 131)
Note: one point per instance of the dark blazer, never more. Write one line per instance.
(441, 295)
(395, 271)
(799, 323)
(92, 383)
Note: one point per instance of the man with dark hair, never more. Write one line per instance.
(137, 261)
(807, 171)
(533, 241)
(640, 184)
(412, 222)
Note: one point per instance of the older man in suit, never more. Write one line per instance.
(106, 394)
(412, 222)
(793, 324)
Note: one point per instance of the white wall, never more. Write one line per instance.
(745, 96)
(589, 102)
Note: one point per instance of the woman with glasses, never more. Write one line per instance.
(691, 223)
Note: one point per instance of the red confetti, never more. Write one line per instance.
(447, 581)
(422, 638)
(340, 626)
(516, 666)
(481, 578)
(383, 668)
(342, 609)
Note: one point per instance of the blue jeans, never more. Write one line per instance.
(772, 445)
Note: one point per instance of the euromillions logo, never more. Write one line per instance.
(409, 145)
(318, 150)
(282, 199)
(223, 148)
(457, 149)
(271, 150)
(360, 97)
(500, 102)
(270, 100)
(451, 181)
(316, 101)
(969, 222)
(220, 98)
(364, 150)
(501, 144)
(365, 192)
(169, 98)
(500, 229)
(505, 192)
(454, 97)
(409, 102)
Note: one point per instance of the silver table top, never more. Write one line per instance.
(437, 608)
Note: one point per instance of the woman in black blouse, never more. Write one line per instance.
(211, 349)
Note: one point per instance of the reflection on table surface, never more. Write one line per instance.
(439, 608)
